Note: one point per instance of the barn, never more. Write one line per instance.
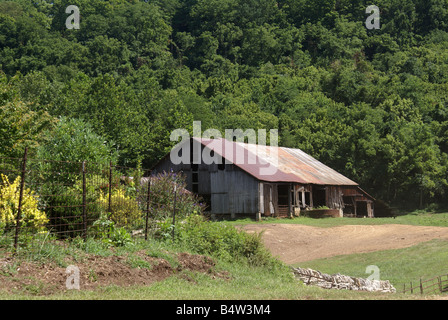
(238, 180)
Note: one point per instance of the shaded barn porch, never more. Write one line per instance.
(289, 199)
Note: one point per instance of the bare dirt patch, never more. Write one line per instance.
(293, 243)
(97, 271)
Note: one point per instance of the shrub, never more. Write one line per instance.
(162, 197)
(124, 209)
(32, 217)
(104, 228)
(69, 143)
(64, 206)
(219, 240)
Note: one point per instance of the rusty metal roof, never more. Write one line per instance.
(276, 164)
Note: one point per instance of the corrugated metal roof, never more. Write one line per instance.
(276, 164)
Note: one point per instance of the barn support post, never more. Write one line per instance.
(260, 202)
(289, 202)
(311, 197)
(275, 199)
(303, 199)
(369, 209)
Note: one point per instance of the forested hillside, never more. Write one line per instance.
(372, 104)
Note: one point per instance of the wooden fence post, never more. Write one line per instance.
(19, 210)
(421, 286)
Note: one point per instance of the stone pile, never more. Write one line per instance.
(339, 281)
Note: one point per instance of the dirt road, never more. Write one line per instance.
(293, 243)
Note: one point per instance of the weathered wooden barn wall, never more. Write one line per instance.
(234, 192)
(268, 199)
(231, 190)
(354, 197)
(334, 197)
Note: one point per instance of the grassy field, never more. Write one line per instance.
(400, 266)
(245, 284)
(416, 219)
(249, 282)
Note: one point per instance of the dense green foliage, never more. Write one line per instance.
(218, 240)
(372, 104)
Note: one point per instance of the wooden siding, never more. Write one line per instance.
(234, 192)
(334, 197)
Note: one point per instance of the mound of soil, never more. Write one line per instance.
(98, 271)
(294, 243)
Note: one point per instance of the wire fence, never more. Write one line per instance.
(434, 285)
(81, 199)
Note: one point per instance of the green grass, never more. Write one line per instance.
(399, 266)
(248, 282)
(245, 284)
(417, 219)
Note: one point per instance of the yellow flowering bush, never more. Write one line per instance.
(124, 209)
(9, 205)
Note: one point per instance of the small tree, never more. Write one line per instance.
(60, 170)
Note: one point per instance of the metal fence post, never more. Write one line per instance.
(84, 199)
(19, 210)
(148, 198)
(174, 210)
(109, 209)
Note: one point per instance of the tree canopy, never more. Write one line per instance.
(371, 104)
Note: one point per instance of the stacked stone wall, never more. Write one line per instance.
(339, 281)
